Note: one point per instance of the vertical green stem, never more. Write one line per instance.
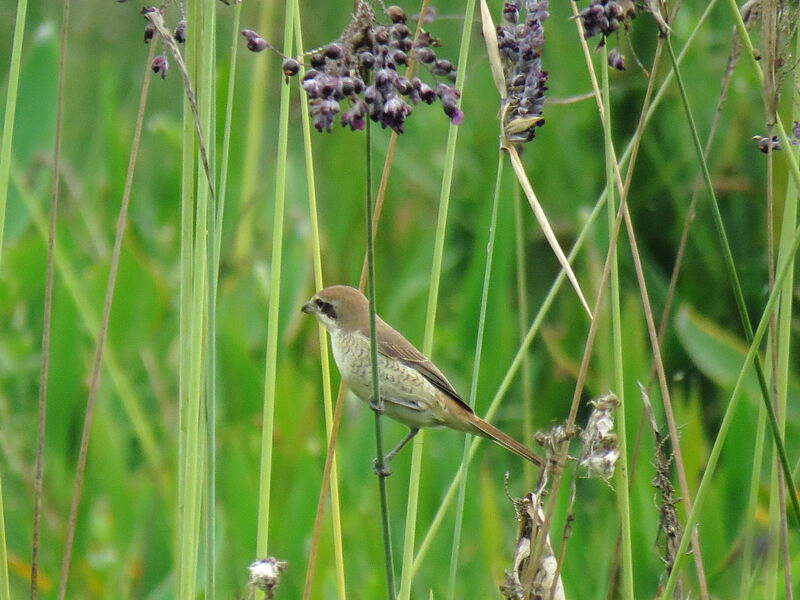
(327, 396)
(522, 301)
(215, 214)
(616, 325)
(5, 586)
(265, 480)
(376, 392)
(200, 54)
(433, 296)
(5, 169)
(713, 458)
(473, 388)
(10, 114)
(736, 285)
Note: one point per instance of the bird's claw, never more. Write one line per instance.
(380, 469)
(376, 406)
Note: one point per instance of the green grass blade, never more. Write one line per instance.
(5, 167)
(473, 388)
(265, 478)
(623, 487)
(327, 395)
(430, 315)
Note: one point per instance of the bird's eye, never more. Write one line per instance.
(326, 308)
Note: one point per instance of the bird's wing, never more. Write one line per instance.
(393, 345)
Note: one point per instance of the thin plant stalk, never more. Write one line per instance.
(752, 505)
(616, 325)
(790, 157)
(784, 268)
(77, 291)
(548, 301)
(737, 290)
(10, 113)
(94, 380)
(215, 222)
(54, 183)
(327, 396)
(185, 261)
(5, 584)
(376, 392)
(522, 302)
(433, 297)
(252, 169)
(194, 465)
(5, 169)
(382, 186)
(505, 385)
(654, 337)
(784, 324)
(473, 388)
(265, 479)
(780, 331)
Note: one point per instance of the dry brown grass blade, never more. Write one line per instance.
(549, 235)
(101, 336)
(490, 37)
(48, 310)
(157, 19)
(650, 321)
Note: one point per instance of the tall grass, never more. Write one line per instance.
(212, 424)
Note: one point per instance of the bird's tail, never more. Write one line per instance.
(486, 429)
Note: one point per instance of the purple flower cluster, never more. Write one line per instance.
(605, 16)
(361, 68)
(520, 42)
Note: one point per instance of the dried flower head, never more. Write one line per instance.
(265, 575)
(520, 45)
(361, 69)
(600, 451)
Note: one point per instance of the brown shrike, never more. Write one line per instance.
(413, 390)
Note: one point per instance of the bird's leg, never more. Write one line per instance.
(383, 469)
(376, 406)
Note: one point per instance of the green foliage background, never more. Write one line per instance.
(126, 535)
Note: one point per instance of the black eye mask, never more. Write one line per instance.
(326, 308)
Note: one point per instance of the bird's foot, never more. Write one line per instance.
(376, 406)
(380, 469)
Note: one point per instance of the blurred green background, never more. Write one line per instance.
(125, 540)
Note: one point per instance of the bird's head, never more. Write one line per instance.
(340, 308)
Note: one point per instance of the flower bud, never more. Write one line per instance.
(616, 60)
(160, 65)
(396, 14)
(180, 32)
(333, 51)
(425, 55)
(290, 67)
(255, 43)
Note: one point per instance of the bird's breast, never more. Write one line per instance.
(399, 383)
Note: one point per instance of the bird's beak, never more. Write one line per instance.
(309, 307)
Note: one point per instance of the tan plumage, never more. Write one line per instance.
(413, 389)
